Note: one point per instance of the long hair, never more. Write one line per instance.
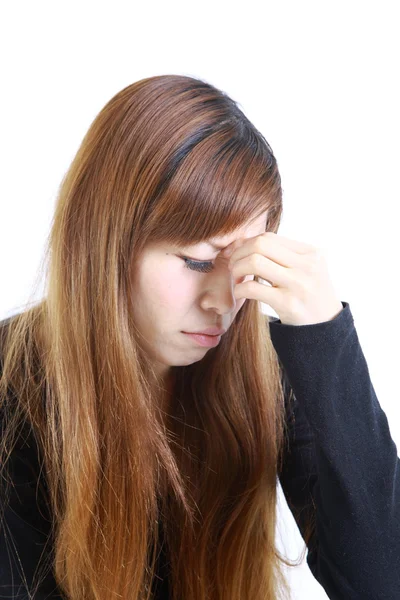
(168, 159)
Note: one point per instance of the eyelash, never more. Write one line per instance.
(202, 267)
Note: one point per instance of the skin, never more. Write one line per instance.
(171, 298)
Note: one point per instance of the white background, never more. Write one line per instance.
(319, 80)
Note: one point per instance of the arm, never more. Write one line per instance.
(341, 468)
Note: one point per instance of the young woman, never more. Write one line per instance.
(148, 406)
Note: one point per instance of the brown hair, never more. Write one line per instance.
(169, 158)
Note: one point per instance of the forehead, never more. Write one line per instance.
(250, 229)
(216, 244)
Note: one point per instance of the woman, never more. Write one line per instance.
(142, 459)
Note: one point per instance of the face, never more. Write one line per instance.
(172, 296)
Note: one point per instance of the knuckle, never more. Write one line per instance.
(315, 260)
(299, 281)
(259, 244)
(317, 253)
(257, 260)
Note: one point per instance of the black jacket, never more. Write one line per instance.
(341, 467)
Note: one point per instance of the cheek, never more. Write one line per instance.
(174, 291)
(239, 304)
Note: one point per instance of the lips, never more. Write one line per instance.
(209, 331)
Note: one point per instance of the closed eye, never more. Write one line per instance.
(206, 267)
(202, 267)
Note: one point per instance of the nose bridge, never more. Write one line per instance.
(220, 289)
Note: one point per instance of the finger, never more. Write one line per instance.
(253, 290)
(284, 251)
(228, 250)
(262, 266)
(262, 247)
(296, 245)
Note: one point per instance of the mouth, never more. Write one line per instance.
(211, 331)
(204, 339)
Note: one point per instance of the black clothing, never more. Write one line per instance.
(341, 466)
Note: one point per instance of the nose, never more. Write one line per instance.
(220, 295)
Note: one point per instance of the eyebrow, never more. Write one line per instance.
(216, 246)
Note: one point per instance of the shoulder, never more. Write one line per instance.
(4, 329)
(10, 409)
(271, 319)
(4, 323)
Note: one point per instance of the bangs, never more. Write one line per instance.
(219, 185)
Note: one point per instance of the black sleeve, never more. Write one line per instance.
(340, 471)
(25, 540)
